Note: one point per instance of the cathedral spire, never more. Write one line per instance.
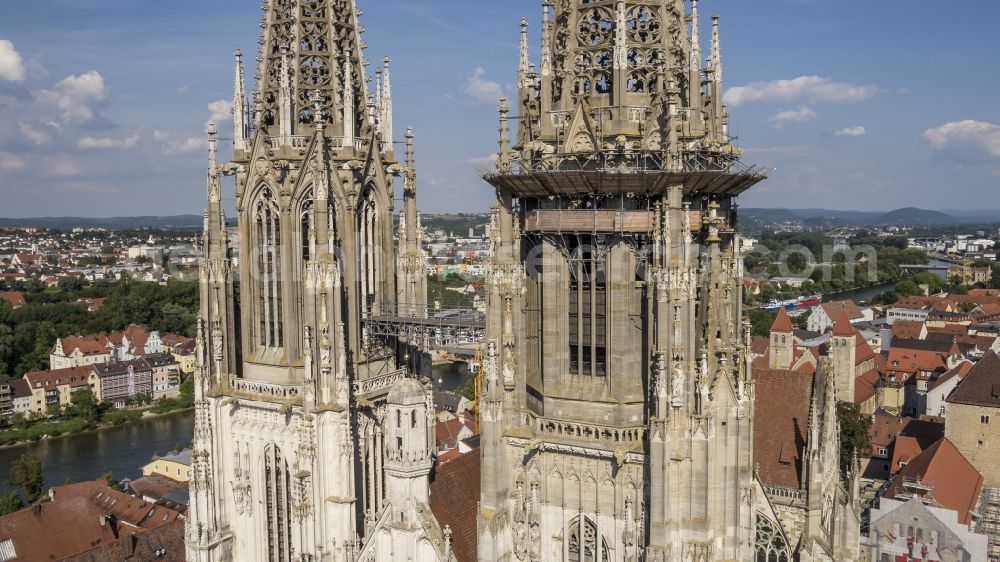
(410, 196)
(349, 102)
(285, 100)
(694, 75)
(524, 65)
(240, 135)
(715, 60)
(386, 117)
(546, 41)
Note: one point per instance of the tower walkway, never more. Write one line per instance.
(428, 327)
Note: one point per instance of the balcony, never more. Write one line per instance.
(265, 389)
(589, 221)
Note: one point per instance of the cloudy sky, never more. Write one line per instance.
(855, 104)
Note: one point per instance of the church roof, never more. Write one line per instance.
(842, 323)
(782, 324)
(981, 387)
(455, 502)
(782, 424)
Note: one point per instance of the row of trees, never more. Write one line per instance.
(28, 333)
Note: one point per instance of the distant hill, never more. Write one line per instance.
(825, 218)
(911, 216)
(113, 223)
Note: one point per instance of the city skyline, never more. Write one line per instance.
(98, 130)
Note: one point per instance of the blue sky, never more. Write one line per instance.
(856, 105)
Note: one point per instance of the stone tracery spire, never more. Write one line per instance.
(524, 65)
(715, 61)
(240, 135)
(386, 117)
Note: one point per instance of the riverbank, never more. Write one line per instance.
(48, 430)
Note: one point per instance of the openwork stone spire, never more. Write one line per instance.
(320, 42)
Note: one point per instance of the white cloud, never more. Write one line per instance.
(482, 90)
(11, 65)
(804, 89)
(36, 136)
(966, 135)
(77, 96)
(851, 132)
(9, 162)
(183, 89)
(801, 115)
(60, 167)
(220, 111)
(95, 143)
(193, 144)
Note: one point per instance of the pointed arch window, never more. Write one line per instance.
(277, 485)
(369, 250)
(770, 545)
(584, 542)
(267, 249)
(307, 230)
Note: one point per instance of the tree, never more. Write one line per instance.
(26, 472)
(907, 289)
(85, 404)
(10, 502)
(855, 435)
(110, 479)
(761, 322)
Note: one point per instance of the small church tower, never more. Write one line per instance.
(843, 354)
(782, 342)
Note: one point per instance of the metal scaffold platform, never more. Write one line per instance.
(989, 521)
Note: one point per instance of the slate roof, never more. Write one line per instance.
(981, 387)
(454, 501)
(781, 424)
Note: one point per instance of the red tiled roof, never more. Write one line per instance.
(955, 484)
(842, 323)
(981, 387)
(833, 309)
(862, 350)
(905, 449)
(455, 502)
(907, 329)
(88, 345)
(781, 426)
(74, 515)
(961, 371)
(73, 376)
(911, 361)
(14, 298)
(759, 345)
(782, 323)
(866, 386)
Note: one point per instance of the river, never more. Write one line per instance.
(862, 295)
(125, 449)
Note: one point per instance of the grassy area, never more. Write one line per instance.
(37, 430)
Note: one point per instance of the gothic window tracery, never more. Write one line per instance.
(267, 250)
(277, 483)
(770, 545)
(369, 250)
(587, 306)
(583, 542)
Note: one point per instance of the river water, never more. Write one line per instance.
(124, 450)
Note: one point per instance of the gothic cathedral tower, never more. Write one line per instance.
(289, 458)
(618, 408)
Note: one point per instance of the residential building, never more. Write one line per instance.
(119, 381)
(176, 466)
(78, 351)
(56, 387)
(21, 396)
(6, 399)
(166, 374)
(940, 389)
(897, 313)
(973, 416)
(90, 521)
